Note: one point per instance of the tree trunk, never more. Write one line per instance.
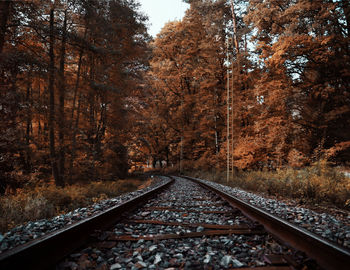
(92, 122)
(346, 8)
(75, 130)
(62, 90)
(28, 124)
(235, 34)
(53, 156)
(76, 124)
(4, 14)
(39, 118)
(77, 82)
(167, 156)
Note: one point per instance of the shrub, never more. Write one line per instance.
(47, 200)
(38, 208)
(319, 183)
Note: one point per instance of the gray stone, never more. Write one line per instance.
(115, 266)
(75, 255)
(128, 260)
(140, 264)
(136, 253)
(207, 259)
(200, 229)
(152, 248)
(139, 258)
(144, 214)
(140, 242)
(225, 261)
(158, 258)
(4, 246)
(237, 263)
(178, 256)
(73, 266)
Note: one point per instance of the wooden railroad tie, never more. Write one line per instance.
(193, 225)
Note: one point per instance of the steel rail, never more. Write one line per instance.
(327, 254)
(45, 252)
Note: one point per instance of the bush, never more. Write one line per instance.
(318, 183)
(46, 201)
(18, 209)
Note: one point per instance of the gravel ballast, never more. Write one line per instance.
(219, 252)
(123, 246)
(323, 224)
(35, 229)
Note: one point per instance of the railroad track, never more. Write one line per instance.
(186, 225)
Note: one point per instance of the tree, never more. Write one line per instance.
(187, 78)
(68, 68)
(307, 43)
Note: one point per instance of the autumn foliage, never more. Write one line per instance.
(86, 94)
(67, 68)
(289, 69)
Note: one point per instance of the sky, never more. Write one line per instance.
(160, 12)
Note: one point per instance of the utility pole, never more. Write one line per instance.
(181, 153)
(228, 104)
(182, 136)
(235, 78)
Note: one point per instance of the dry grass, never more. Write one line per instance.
(48, 200)
(317, 183)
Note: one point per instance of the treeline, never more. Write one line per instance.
(86, 94)
(66, 69)
(288, 63)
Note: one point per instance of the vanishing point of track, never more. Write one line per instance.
(185, 217)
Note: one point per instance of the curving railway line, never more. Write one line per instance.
(181, 224)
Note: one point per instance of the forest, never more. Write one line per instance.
(88, 95)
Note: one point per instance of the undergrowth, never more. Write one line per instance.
(317, 183)
(47, 201)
